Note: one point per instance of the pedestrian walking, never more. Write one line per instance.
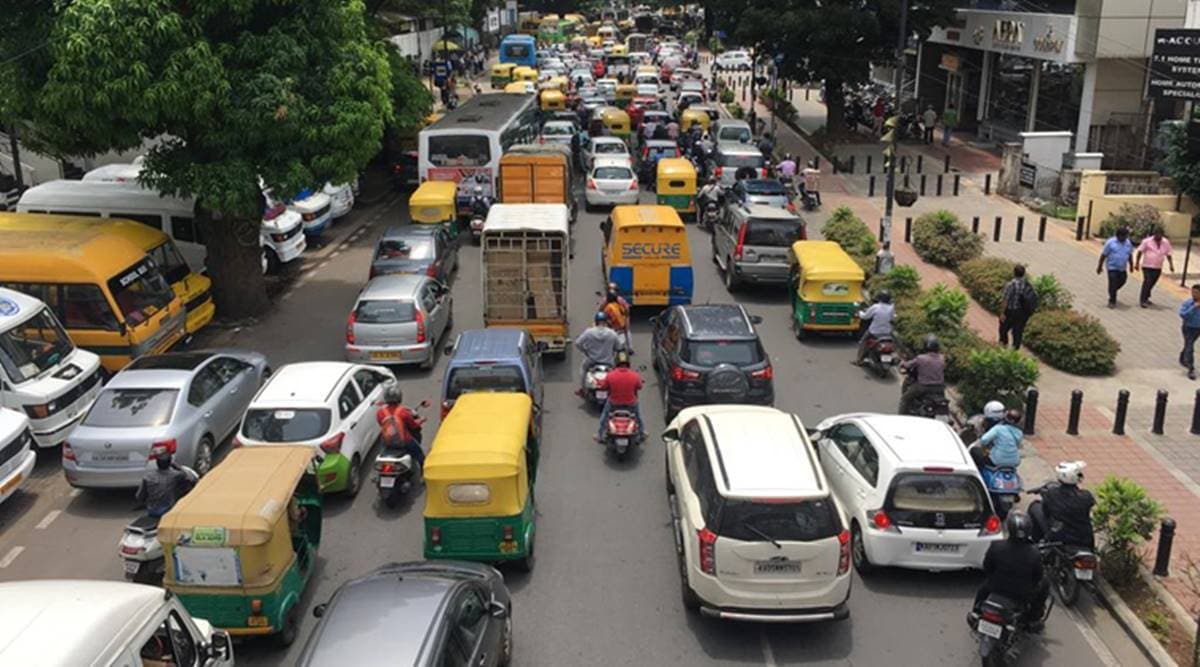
(929, 119)
(1189, 311)
(949, 122)
(1149, 260)
(1020, 301)
(1116, 257)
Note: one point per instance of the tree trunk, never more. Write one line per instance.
(709, 21)
(235, 265)
(835, 108)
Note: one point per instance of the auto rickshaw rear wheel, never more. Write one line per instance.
(291, 627)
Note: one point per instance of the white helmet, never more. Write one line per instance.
(1070, 472)
(994, 410)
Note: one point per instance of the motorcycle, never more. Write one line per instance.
(140, 549)
(621, 432)
(881, 355)
(395, 470)
(1000, 627)
(592, 378)
(711, 211)
(1070, 566)
(930, 406)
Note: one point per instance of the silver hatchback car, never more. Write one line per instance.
(399, 319)
(186, 401)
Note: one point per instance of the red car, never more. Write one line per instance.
(598, 69)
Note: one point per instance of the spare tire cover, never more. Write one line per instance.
(726, 384)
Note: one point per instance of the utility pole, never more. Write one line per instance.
(884, 261)
(16, 156)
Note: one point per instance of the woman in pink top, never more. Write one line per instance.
(1150, 255)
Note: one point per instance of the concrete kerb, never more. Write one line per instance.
(1133, 626)
(1180, 613)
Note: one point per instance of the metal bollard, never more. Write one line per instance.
(1196, 415)
(904, 164)
(1166, 538)
(975, 225)
(987, 184)
(1073, 416)
(908, 230)
(922, 185)
(956, 177)
(1020, 227)
(939, 185)
(851, 164)
(834, 163)
(869, 160)
(871, 185)
(946, 165)
(1079, 228)
(806, 94)
(1042, 229)
(1122, 412)
(1160, 412)
(920, 162)
(996, 230)
(1031, 406)
(817, 163)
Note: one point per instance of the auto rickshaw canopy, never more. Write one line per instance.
(520, 87)
(552, 99)
(433, 202)
(822, 263)
(693, 116)
(525, 73)
(503, 69)
(676, 169)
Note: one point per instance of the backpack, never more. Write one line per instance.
(391, 431)
(1029, 298)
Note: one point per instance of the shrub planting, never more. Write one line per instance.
(1071, 341)
(939, 238)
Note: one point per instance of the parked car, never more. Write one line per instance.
(759, 536)
(416, 250)
(341, 199)
(605, 147)
(556, 132)
(17, 452)
(406, 174)
(710, 353)
(314, 208)
(733, 60)
(189, 402)
(750, 243)
(611, 182)
(765, 191)
(493, 360)
(912, 493)
(327, 405)
(399, 319)
(428, 613)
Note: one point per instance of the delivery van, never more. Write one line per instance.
(646, 255)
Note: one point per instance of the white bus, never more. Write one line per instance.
(465, 145)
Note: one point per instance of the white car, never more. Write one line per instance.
(605, 147)
(327, 405)
(647, 90)
(914, 497)
(611, 182)
(607, 88)
(17, 454)
(736, 60)
(281, 236)
(557, 132)
(758, 535)
(313, 207)
(647, 79)
(341, 199)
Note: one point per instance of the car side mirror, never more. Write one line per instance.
(756, 319)
(221, 647)
(670, 434)
(541, 346)
(497, 608)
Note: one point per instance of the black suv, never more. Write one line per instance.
(710, 354)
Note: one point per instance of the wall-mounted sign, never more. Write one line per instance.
(1027, 34)
(950, 62)
(1008, 34)
(1028, 175)
(1175, 65)
(1049, 42)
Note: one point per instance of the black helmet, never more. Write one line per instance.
(622, 358)
(884, 296)
(1012, 416)
(931, 343)
(1018, 526)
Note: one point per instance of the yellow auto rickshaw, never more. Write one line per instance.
(625, 94)
(479, 481)
(502, 74)
(525, 73)
(692, 117)
(594, 41)
(519, 87)
(676, 185)
(561, 83)
(826, 288)
(433, 203)
(552, 100)
(617, 121)
(241, 547)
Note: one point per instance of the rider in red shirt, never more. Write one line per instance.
(623, 384)
(398, 427)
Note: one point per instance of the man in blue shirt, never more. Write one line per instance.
(1002, 442)
(1189, 311)
(1117, 257)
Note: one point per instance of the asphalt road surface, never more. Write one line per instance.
(605, 590)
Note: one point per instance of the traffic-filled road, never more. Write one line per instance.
(606, 588)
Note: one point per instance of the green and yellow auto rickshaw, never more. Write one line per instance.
(502, 74)
(826, 288)
(676, 185)
(241, 547)
(433, 203)
(617, 122)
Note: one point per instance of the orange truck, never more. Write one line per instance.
(538, 174)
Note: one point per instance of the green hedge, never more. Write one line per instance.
(996, 373)
(984, 279)
(957, 343)
(1141, 219)
(1072, 342)
(939, 238)
(1052, 295)
(902, 281)
(847, 230)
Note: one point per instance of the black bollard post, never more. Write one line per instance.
(1079, 228)
(1122, 412)
(851, 164)
(904, 164)
(834, 164)
(1160, 412)
(975, 225)
(987, 184)
(996, 230)
(1196, 415)
(1020, 227)
(922, 185)
(870, 159)
(939, 185)
(1042, 229)
(1031, 406)
(1166, 538)
(920, 162)
(1073, 416)
(908, 230)
(946, 164)
(871, 185)
(817, 163)
(956, 176)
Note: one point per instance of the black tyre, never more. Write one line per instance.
(506, 649)
(858, 552)
(273, 263)
(291, 627)
(204, 456)
(354, 477)
(796, 328)
(1065, 584)
(526, 564)
(731, 280)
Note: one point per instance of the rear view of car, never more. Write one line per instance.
(610, 183)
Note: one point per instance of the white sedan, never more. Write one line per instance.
(557, 132)
(611, 182)
(605, 148)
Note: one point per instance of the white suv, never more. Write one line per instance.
(736, 60)
(758, 534)
(914, 496)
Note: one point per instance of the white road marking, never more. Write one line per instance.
(335, 254)
(1089, 635)
(75, 493)
(768, 654)
(321, 265)
(48, 519)
(10, 556)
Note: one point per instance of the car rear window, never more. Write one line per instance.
(384, 311)
(741, 134)
(773, 233)
(132, 408)
(285, 425)
(709, 353)
(612, 173)
(764, 186)
(753, 160)
(405, 249)
(765, 520)
(556, 130)
(492, 377)
(610, 147)
(937, 500)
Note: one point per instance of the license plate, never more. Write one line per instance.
(132, 567)
(11, 483)
(885, 358)
(990, 629)
(937, 548)
(383, 356)
(508, 547)
(602, 395)
(1084, 575)
(622, 442)
(387, 482)
(101, 457)
(258, 621)
(776, 567)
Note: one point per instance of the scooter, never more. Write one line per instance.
(592, 378)
(1003, 485)
(140, 549)
(1000, 627)
(621, 432)
(881, 355)
(395, 469)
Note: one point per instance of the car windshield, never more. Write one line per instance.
(739, 134)
(764, 186)
(130, 408)
(405, 249)
(466, 379)
(937, 500)
(140, 291)
(384, 311)
(173, 266)
(709, 353)
(464, 150)
(773, 233)
(561, 130)
(33, 347)
(285, 425)
(661, 151)
(803, 521)
(611, 147)
(612, 173)
(752, 160)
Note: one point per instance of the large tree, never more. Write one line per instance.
(228, 91)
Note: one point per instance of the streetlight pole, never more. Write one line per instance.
(884, 261)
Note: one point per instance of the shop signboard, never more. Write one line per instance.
(1027, 34)
(1028, 174)
(1175, 64)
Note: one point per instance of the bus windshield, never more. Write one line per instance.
(140, 291)
(173, 266)
(33, 347)
(460, 150)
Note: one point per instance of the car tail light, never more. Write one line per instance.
(633, 185)
(432, 271)
(791, 207)
(678, 374)
(446, 405)
(420, 327)
(68, 454)
(741, 244)
(161, 447)
(937, 469)
(508, 533)
(763, 373)
(991, 526)
(803, 232)
(1085, 562)
(591, 184)
(843, 552)
(708, 551)
(718, 171)
(881, 521)
(763, 171)
(334, 444)
(435, 536)
(350, 327)
(397, 168)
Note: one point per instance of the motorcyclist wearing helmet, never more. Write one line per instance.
(1001, 444)
(623, 384)
(163, 486)
(1013, 568)
(786, 168)
(1064, 513)
(480, 202)
(399, 428)
(926, 375)
(599, 345)
(880, 314)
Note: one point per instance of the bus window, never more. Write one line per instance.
(140, 291)
(84, 307)
(459, 150)
(186, 229)
(153, 221)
